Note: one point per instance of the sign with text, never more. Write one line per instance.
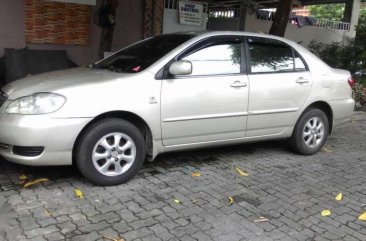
(190, 13)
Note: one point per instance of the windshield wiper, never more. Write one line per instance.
(113, 69)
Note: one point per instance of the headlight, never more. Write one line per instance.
(37, 104)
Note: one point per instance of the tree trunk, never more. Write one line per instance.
(243, 16)
(347, 15)
(106, 36)
(281, 18)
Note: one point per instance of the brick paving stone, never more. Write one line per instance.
(161, 232)
(289, 189)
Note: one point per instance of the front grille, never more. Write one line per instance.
(4, 146)
(29, 151)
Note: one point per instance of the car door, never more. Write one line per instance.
(211, 103)
(279, 85)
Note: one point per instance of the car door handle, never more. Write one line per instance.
(302, 80)
(238, 84)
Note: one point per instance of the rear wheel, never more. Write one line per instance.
(110, 152)
(311, 132)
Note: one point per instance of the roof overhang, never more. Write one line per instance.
(87, 2)
(269, 3)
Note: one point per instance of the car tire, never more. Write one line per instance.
(310, 132)
(110, 152)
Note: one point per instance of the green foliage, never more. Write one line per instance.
(361, 28)
(350, 56)
(360, 94)
(333, 12)
(327, 11)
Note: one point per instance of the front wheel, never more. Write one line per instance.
(110, 152)
(310, 133)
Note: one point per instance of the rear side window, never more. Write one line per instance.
(272, 56)
(299, 63)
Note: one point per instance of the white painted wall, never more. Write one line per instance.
(171, 22)
(304, 34)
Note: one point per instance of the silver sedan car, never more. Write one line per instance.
(173, 92)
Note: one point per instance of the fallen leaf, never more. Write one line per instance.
(362, 217)
(231, 200)
(114, 239)
(196, 174)
(325, 213)
(241, 172)
(31, 183)
(79, 193)
(48, 213)
(339, 197)
(326, 149)
(261, 220)
(195, 201)
(177, 201)
(23, 177)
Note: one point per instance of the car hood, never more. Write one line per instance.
(53, 81)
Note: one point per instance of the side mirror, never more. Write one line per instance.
(181, 67)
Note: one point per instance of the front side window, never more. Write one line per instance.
(216, 59)
(271, 56)
(142, 55)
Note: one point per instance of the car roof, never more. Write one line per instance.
(205, 34)
(219, 33)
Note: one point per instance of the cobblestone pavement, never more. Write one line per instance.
(288, 189)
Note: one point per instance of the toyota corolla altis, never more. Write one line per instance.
(173, 92)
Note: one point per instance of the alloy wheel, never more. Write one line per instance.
(114, 154)
(313, 133)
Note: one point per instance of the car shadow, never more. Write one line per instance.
(212, 153)
(50, 172)
(167, 160)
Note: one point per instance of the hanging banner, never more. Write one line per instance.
(190, 13)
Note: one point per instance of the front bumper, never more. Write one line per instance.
(56, 135)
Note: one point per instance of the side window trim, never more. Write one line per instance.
(247, 56)
(244, 60)
(249, 60)
(164, 72)
(302, 59)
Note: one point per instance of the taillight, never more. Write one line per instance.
(351, 82)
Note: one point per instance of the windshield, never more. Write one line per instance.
(140, 56)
